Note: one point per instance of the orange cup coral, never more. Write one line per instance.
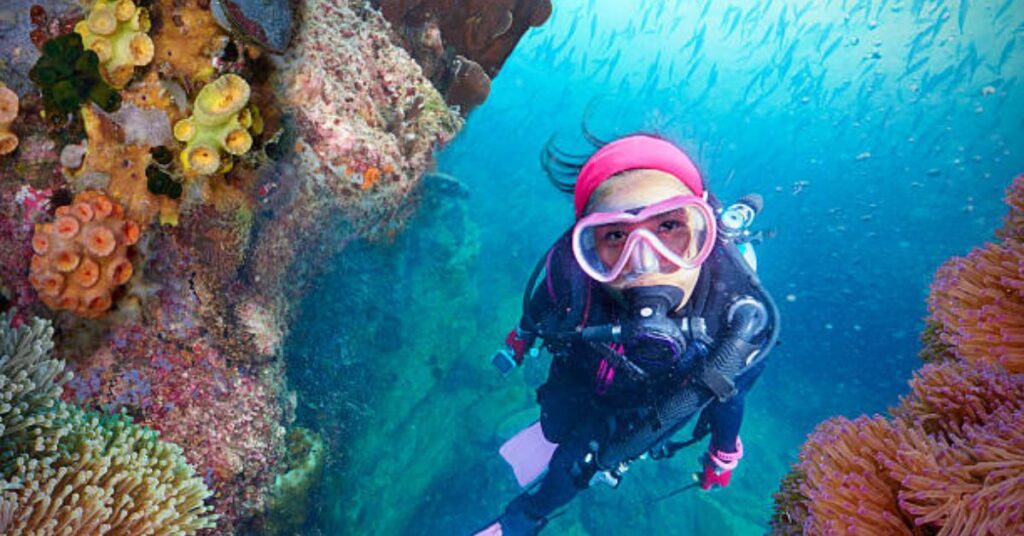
(8, 113)
(82, 256)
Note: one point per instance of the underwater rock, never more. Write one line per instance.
(292, 493)
(263, 324)
(462, 45)
(8, 113)
(82, 256)
(366, 125)
(469, 86)
(445, 185)
(267, 23)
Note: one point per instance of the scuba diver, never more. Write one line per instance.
(652, 312)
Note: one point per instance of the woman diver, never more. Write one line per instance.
(651, 314)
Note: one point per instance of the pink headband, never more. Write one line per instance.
(634, 152)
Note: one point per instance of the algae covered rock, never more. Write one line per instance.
(290, 496)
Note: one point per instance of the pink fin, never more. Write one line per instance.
(528, 452)
(492, 530)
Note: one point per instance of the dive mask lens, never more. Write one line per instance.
(661, 238)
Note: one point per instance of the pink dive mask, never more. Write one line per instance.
(678, 232)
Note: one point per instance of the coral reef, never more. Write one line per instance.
(951, 460)
(227, 423)
(220, 121)
(68, 77)
(8, 113)
(194, 347)
(971, 484)
(30, 383)
(847, 490)
(66, 471)
(116, 30)
(82, 256)
(462, 45)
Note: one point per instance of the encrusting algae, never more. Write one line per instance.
(116, 30)
(123, 167)
(187, 41)
(220, 121)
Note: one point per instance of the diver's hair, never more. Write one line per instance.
(562, 167)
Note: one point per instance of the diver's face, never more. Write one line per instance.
(636, 189)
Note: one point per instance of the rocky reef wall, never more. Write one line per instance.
(168, 187)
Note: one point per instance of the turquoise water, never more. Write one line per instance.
(881, 135)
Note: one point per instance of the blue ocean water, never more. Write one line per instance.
(881, 135)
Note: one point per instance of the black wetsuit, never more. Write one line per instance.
(624, 415)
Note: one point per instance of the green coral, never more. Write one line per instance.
(933, 350)
(290, 495)
(220, 121)
(116, 31)
(67, 471)
(68, 77)
(790, 505)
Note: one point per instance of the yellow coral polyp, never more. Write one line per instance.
(184, 130)
(202, 159)
(224, 96)
(238, 141)
(141, 49)
(124, 10)
(117, 31)
(220, 121)
(101, 21)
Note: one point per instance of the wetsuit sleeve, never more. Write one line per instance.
(725, 417)
(552, 294)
